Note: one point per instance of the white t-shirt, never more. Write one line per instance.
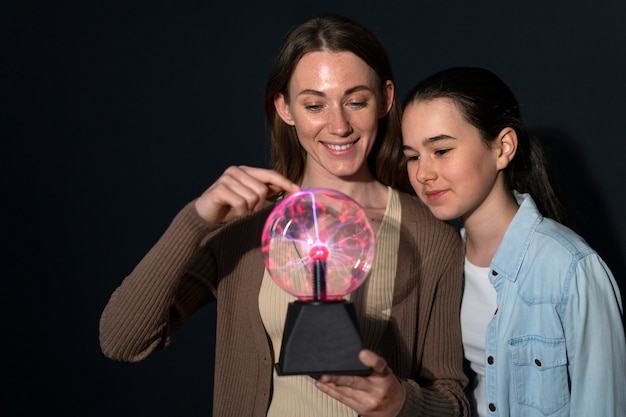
(477, 309)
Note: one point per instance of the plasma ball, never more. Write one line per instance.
(318, 244)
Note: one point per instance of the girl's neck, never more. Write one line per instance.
(485, 229)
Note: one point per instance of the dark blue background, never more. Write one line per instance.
(113, 116)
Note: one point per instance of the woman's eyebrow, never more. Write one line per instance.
(357, 88)
(347, 92)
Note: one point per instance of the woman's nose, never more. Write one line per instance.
(339, 124)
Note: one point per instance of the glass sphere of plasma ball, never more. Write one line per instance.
(315, 228)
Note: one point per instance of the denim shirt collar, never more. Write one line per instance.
(508, 258)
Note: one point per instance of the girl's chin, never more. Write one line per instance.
(442, 215)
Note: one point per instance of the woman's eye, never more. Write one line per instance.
(441, 152)
(411, 158)
(313, 107)
(357, 104)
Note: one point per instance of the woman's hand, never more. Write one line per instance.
(240, 190)
(379, 394)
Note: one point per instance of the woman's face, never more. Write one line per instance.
(449, 166)
(334, 103)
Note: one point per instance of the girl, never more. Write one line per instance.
(541, 314)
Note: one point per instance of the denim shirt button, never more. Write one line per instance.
(538, 362)
(494, 273)
(490, 360)
(492, 407)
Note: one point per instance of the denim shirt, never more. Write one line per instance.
(555, 346)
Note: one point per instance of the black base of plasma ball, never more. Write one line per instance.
(321, 338)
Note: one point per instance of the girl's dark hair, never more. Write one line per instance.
(488, 104)
(336, 34)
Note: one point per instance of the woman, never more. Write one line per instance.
(541, 314)
(331, 104)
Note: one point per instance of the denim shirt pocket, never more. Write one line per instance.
(540, 372)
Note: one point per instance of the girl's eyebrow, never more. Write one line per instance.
(429, 141)
(436, 138)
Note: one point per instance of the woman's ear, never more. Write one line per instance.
(389, 92)
(282, 108)
(507, 146)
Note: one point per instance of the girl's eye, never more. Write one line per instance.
(441, 152)
(411, 158)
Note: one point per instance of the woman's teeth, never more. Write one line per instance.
(339, 147)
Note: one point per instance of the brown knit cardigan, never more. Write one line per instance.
(194, 263)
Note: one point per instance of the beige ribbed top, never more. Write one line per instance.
(297, 396)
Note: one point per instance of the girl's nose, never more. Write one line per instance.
(425, 171)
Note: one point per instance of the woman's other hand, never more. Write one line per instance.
(379, 394)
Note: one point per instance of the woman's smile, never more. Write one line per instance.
(339, 147)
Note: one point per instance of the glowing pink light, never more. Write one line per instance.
(318, 224)
(318, 253)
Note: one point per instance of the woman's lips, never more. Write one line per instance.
(339, 147)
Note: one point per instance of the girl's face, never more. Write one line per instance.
(334, 102)
(450, 168)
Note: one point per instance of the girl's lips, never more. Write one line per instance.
(434, 196)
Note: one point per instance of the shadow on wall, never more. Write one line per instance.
(581, 193)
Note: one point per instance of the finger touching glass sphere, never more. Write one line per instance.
(315, 232)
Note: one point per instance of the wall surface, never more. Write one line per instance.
(115, 116)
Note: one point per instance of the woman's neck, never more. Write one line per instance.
(363, 188)
(370, 194)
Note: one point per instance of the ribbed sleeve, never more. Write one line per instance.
(136, 320)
